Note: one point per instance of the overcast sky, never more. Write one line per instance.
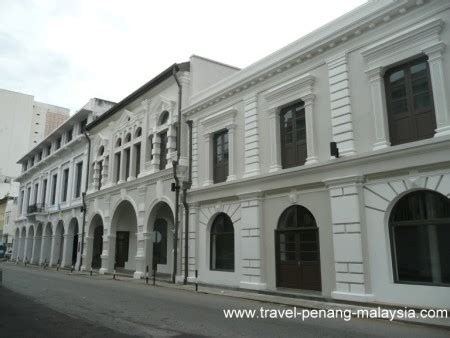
(65, 52)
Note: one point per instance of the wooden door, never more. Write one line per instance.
(97, 248)
(122, 245)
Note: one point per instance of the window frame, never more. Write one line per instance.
(212, 237)
(216, 136)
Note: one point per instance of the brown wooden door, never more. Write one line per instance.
(122, 245)
(410, 102)
(298, 259)
(220, 156)
(293, 135)
(163, 151)
(97, 248)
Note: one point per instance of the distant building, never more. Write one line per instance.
(9, 218)
(24, 123)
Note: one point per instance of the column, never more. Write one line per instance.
(45, 244)
(132, 163)
(87, 253)
(251, 134)
(122, 165)
(310, 131)
(148, 251)
(251, 242)
(171, 145)
(28, 252)
(105, 172)
(108, 254)
(195, 154)
(440, 93)
(208, 159)
(341, 113)
(275, 142)
(34, 256)
(231, 151)
(66, 259)
(184, 144)
(347, 214)
(54, 250)
(96, 176)
(193, 246)
(155, 152)
(379, 110)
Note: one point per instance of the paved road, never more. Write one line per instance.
(46, 303)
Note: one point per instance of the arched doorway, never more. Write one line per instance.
(37, 245)
(46, 244)
(419, 227)
(71, 252)
(160, 223)
(58, 243)
(23, 236)
(96, 232)
(297, 250)
(29, 244)
(124, 226)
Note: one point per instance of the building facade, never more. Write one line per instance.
(52, 183)
(321, 169)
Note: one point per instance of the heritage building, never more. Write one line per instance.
(322, 167)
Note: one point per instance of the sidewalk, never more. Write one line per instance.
(283, 298)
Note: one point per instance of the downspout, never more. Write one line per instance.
(175, 176)
(186, 186)
(83, 197)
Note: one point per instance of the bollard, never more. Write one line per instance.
(196, 280)
(114, 271)
(17, 260)
(57, 265)
(73, 268)
(154, 275)
(45, 264)
(91, 271)
(146, 275)
(25, 262)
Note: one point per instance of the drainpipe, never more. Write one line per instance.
(83, 197)
(186, 186)
(175, 176)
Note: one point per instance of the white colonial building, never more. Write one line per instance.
(321, 169)
(52, 184)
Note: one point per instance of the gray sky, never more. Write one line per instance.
(65, 52)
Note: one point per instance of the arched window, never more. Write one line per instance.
(222, 243)
(164, 117)
(128, 138)
(293, 135)
(409, 101)
(119, 142)
(138, 132)
(420, 231)
(101, 150)
(296, 216)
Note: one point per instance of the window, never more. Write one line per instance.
(69, 135)
(32, 162)
(117, 166)
(28, 196)
(83, 125)
(164, 117)
(39, 156)
(44, 191)
(127, 155)
(58, 143)
(128, 138)
(119, 142)
(54, 181)
(138, 132)
(36, 189)
(79, 173)
(220, 156)
(65, 185)
(24, 166)
(22, 195)
(222, 243)
(293, 135)
(420, 229)
(409, 101)
(137, 151)
(151, 147)
(163, 151)
(49, 149)
(100, 177)
(101, 151)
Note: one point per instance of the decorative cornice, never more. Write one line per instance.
(222, 118)
(355, 23)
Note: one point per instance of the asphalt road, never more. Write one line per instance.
(37, 303)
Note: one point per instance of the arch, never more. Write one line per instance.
(419, 230)
(124, 227)
(161, 223)
(222, 243)
(37, 244)
(127, 138)
(71, 250)
(118, 142)
(138, 132)
(164, 117)
(29, 243)
(95, 232)
(101, 151)
(58, 242)
(297, 250)
(48, 229)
